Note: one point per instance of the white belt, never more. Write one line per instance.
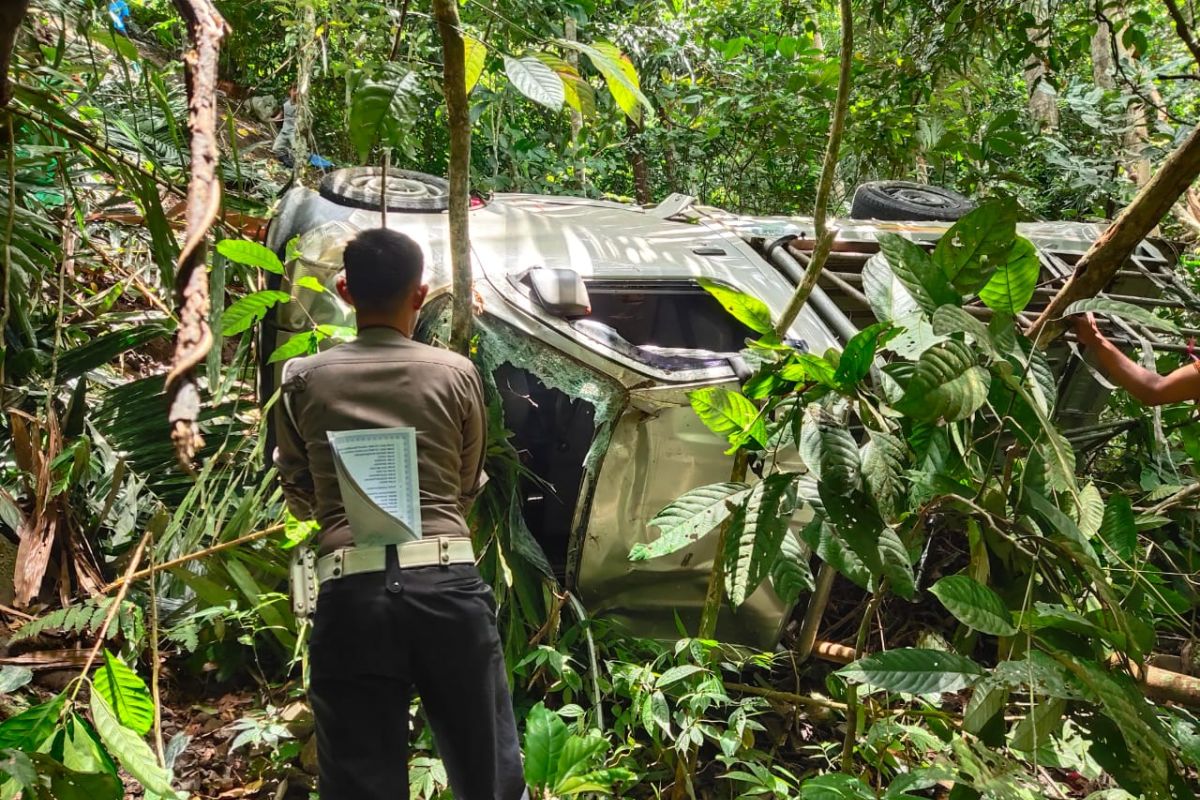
(440, 551)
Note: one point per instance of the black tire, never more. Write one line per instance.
(359, 187)
(903, 201)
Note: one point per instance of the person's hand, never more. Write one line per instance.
(1087, 330)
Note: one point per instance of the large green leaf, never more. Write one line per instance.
(536, 81)
(976, 245)
(830, 452)
(914, 268)
(475, 56)
(1091, 510)
(856, 360)
(577, 93)
(619, 74)
(947, 384)
(252, 254)
(974, 605)
(955, 319)
(1011, 287)
(729, 414)
(1118, 530)
(884, 457)
(914, 671)
(755, 535)
(125, 693)
(31, 728)
(578, 756)
(82, 749)
(790, 575)
(68, 784)
(830, 548)
(890, 301)
(750, 311)
(1035, 729)
(1121, 310)
(545, 738)
(383, 110)
(17, 765)
(1061, 524)
(988, 699)
(689, 517)
(130, 750)
(248, 310)
(895, 563)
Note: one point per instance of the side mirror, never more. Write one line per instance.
(560, 291)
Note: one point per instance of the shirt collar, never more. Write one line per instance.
(380, 334)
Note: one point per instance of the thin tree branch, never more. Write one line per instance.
(824, 237)
(1183, 28)
(178, 562)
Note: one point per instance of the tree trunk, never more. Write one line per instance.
(637, 162)
(11, 14)
(304, 68)
(454, 82)
(569, 33)
(1106, 255)
(1106, 49)
(1043, 106)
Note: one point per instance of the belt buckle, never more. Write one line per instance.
(444, 550)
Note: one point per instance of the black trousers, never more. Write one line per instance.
(376, 638)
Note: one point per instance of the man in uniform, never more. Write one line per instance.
(410, 616)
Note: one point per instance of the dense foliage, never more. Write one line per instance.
(1038, 577)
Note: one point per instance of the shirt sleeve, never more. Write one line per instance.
(474, 447)
(291, 456)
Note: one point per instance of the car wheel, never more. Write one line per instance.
(902, 200)
(360, 187)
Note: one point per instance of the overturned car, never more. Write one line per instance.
(595, 325)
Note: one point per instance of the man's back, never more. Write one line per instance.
(383, 380)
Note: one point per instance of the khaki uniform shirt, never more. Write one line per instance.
(383, 379)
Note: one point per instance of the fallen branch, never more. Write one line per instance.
(172, 564)
(206, 29)
(1112, 248)
(786, 697)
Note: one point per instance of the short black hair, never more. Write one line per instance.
(383, 268)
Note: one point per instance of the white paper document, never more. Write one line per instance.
(377, 474)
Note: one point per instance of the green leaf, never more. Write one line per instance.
(914, 671)
(822, 538)
(252, 254)
(125, 693)
(1121, 310)
(913, 267)
(895, 564)
(859, 355)
(790, 574)
(82, 749)
(536, 81)
(755, 535)
(130, 750)
(689, 517)
(974, 605)
(18, 766)
(299, 345)
(1036, 728)
(830, 452)
(620, 76)
(250, 309)
(13, 678)
(311, 283)
(947, 383)
(1011, 287)
(955, 319)
(68, 784)
(28, 730)
(988, 699)
(676, 674)
(1091, 510)
(835, 786)
(890, 301)
(577, 757)
(730, 414)
(115, 42)
(577, 93)
(475, 55)
(976, 245)
(883, 460)
(1061, 524)
(1118, 529)
(383, 110)
(808, 368)
(750, 311)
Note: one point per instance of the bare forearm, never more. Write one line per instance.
(1125, 372)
